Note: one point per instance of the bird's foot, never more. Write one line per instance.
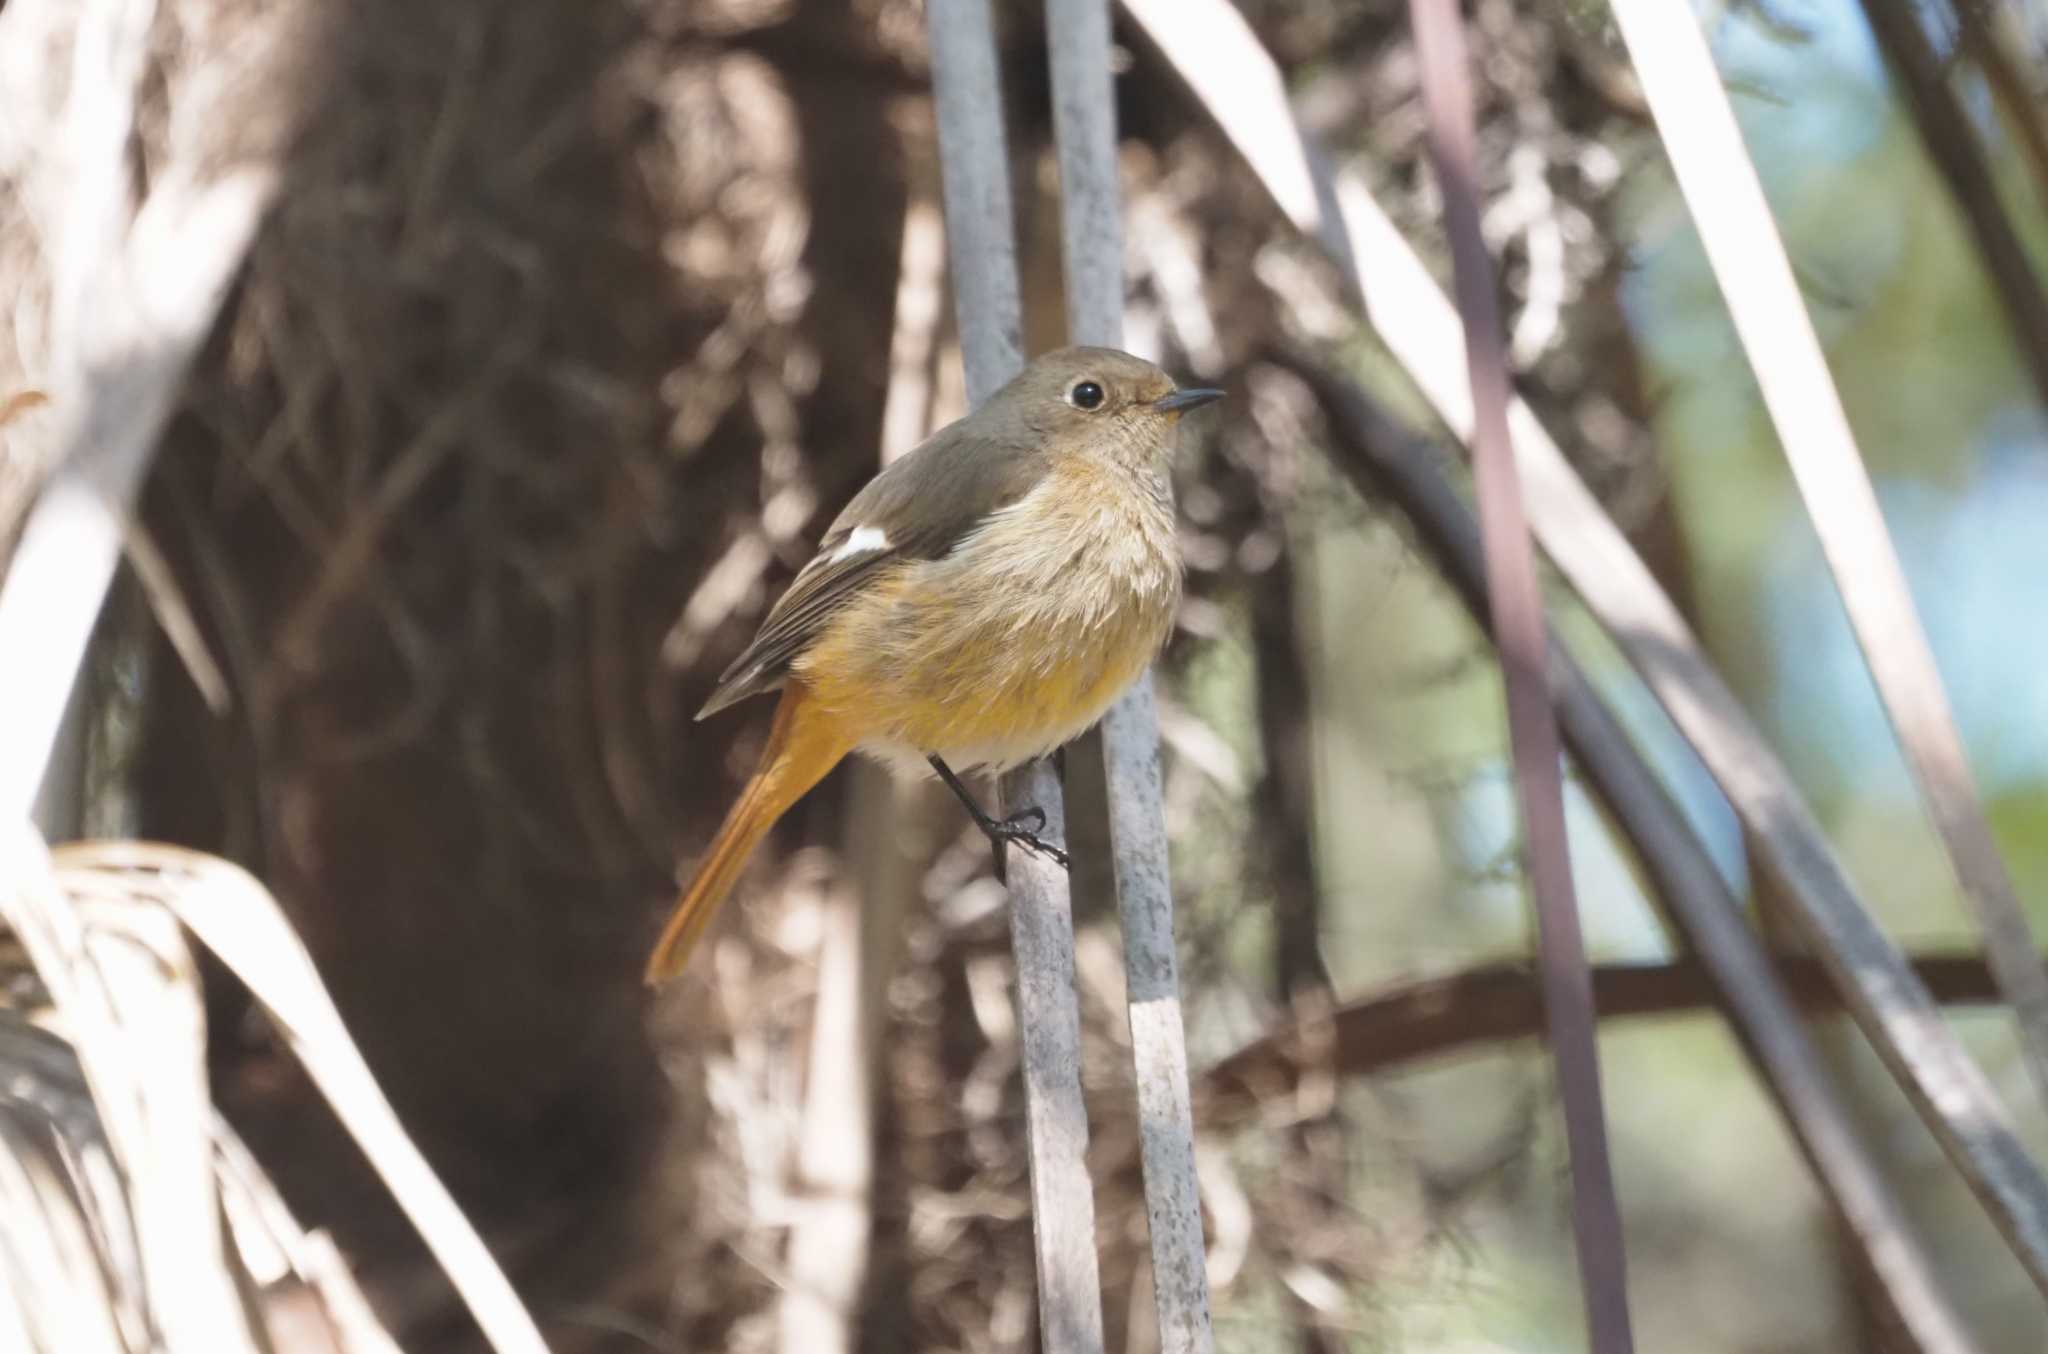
(1001, 832)
(1013, 829)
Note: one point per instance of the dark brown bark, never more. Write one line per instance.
(438, 504)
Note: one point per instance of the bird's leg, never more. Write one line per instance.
(1001, 832)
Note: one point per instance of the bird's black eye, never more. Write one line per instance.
(1085, 395)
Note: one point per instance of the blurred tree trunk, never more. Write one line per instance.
(440, 496)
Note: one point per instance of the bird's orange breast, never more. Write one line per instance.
(1016, 641)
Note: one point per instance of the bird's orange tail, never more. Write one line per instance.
(803, 744)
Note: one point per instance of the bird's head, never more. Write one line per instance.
(1099, 402)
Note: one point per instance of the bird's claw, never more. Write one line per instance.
(1013, 829)
(1015, 822)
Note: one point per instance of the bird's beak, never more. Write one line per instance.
(1180, 401)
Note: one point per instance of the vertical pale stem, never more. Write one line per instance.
(1084, 123)
(981, 237)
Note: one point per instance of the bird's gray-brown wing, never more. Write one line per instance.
(918, 508)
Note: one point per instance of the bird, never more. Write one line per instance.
(978, 604)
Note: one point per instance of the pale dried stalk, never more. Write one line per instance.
(981, 238)
(136, 289)
(259, 1217)
(1721, 187)
(1209, 43)
(1084, 124)
(128, 1000)
(115, 1244)
(236, 918)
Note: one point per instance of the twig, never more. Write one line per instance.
(1516, 615)
(1720, 186)
(1084, 123)
(1385, 460)
(1953, 151)
(1419, 326)
(1482, 1008)
(981, 239)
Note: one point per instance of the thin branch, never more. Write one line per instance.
(1516, 615)
(981, 239)
(1953, 151)
(1385, 460)
(1483, 1008)
(1084, 123)
(1419, 326)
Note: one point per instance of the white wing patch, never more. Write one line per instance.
(863, 540)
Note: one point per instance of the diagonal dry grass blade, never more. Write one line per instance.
(262, 1222)
(1238, 85)
(129, 1000)
(1385, 460)
(236, 918)
(1721, 187)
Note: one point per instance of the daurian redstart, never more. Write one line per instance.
(978, 604)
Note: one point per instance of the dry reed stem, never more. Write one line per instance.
(831, 1232)
(981, 240)
(1084, 124)
(1237, 83)
(1721, 187)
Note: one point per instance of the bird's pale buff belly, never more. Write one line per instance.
(993, 656)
